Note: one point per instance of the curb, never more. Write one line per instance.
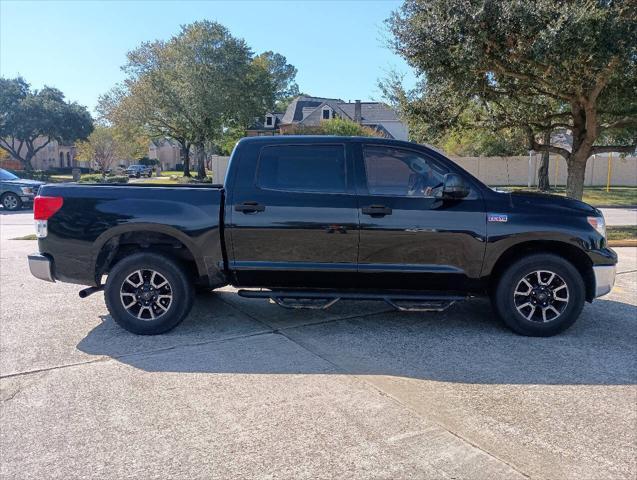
(623, 243)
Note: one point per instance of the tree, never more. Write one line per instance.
(105, 145)
(335, 126)
(27, 115)
(532, 65)
(196, 86)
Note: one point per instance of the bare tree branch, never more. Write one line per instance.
(613, 148)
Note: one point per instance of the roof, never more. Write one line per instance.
(371, 112)
(259, 122)
(294, 112)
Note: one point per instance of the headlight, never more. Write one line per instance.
(27, 190)
(598, 224)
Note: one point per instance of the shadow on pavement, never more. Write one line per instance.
(464, 344)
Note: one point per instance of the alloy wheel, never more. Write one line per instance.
(541, 296)
(146, 294)
(10, 202)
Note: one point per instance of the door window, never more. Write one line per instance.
(304, 168)
(397, 172)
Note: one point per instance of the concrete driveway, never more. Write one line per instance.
(245, 389)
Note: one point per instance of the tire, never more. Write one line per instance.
(554, 302)
(146, 312)
(11, 201)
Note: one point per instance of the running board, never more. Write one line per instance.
(322, 299)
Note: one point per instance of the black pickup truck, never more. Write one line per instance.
(313, 220)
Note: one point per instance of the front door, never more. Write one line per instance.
(409, 238)
(294, 222)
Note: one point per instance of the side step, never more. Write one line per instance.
(323, 299)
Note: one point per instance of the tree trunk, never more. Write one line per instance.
(575, 177)
(201, 161)
(26, 161)
(543, 172)
(185, 156)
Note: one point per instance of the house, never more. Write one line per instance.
(53, 155)
(166, 151)
(311, 111)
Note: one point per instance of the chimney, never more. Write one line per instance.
(357, 112)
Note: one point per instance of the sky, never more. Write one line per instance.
(339, 47)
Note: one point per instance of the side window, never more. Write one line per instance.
(392, 171)
(306, 168)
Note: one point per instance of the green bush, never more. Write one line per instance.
(97, 178)
(182, 179)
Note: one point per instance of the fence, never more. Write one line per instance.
(515, 170)
(519, 170)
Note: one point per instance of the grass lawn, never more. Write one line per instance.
(598, 196)
(60, 178)
(625, 232)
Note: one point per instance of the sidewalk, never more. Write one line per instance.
(620, 216)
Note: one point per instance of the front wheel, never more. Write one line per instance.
(148, 293)
(539, 295)
(10, 201)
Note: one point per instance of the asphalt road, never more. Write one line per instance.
(620, 216)
(245, 389)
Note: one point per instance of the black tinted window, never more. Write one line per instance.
(310, 168)
(393, 171)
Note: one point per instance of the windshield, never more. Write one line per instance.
(4, 175)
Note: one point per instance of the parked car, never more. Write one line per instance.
(16, 192)
(139, 171)
(314, 220)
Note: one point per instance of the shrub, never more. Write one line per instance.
(208, 179)
(97, 178)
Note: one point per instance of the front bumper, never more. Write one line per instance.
(604, 279)
(41, 267)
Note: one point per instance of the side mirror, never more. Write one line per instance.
(454, 187)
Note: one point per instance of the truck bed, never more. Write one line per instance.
(96, 220)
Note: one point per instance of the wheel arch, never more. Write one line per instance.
(576, 256)
(118, 242)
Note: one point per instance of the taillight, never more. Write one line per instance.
(45, 207)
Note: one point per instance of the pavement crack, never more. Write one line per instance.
(134, 354)
(629, 271)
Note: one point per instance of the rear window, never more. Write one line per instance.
(305, 168)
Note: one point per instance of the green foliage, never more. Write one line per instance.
(533, 65)
(474, 142)
(99, 178)
(335, 126)
(207, 179)
(105, 145)
(27, 115)
(196, 86)
(226, 143)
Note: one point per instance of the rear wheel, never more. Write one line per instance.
(539, 295)
(148, 293)
(10, 201)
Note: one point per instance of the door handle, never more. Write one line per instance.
(249, 207)
(377, 210)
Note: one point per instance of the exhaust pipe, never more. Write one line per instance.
(90, 291)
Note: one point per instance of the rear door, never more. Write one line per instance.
(409, 239)
(293, 216)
